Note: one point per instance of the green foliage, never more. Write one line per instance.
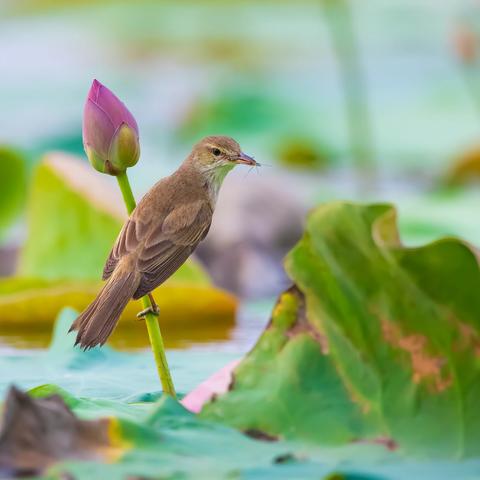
(68, 236)
(376, 343)
(13, 182)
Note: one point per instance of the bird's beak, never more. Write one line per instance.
(246, 160)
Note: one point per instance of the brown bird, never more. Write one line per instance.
(161, 233)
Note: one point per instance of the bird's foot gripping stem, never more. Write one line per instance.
(153, 309)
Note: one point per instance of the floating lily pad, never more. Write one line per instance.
(375, 343)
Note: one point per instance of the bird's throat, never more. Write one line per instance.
(215, 179)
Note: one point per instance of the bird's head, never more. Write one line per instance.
(217, 155)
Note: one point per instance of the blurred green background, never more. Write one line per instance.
(337, 99)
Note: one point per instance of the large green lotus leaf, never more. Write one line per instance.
(376, 342)
(164, 441)
(74, 216)
(13, 181)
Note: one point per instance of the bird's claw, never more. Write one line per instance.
(152, 310)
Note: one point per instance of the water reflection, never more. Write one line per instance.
(228, 334)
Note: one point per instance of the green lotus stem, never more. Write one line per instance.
(151, 320)
(344, 42)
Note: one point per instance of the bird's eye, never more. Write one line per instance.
(216, 152)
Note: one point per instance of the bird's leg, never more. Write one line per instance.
(153, 309)
(156, 310)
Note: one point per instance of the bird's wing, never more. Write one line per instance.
(127, 241)
(171, 243)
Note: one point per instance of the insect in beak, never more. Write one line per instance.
(246, 160)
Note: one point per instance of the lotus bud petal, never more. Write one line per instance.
(125, 148)
(110, 133)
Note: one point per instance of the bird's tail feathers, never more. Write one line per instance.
(98, 320)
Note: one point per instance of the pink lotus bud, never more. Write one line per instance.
(110, 133)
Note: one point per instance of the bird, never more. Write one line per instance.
(160, 234)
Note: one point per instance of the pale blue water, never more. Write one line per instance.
(107, 373)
